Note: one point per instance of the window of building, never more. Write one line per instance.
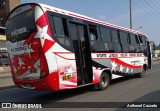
(2, 3)
(2, 45)
(2, 31)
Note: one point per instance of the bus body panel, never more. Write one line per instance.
(39, 62)
(27, 57)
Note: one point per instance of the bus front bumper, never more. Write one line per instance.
(50, 82)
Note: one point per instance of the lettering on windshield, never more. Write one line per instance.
(18, 31)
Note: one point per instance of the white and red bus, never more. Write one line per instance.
(54, 49)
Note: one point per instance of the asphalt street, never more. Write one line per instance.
(128, 89)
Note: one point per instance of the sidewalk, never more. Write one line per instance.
(6, 81)
(156, 61)
(5, 69)
(5, 75)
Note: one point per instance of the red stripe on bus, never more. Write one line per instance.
(62, 56)
(116, 60)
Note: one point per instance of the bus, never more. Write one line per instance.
(55, 49)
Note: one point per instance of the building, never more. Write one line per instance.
(2, 39)
(3, 50)
(5, 7)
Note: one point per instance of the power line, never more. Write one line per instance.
(151, 7)
(148, 7)
(146, 10)
(155, 4)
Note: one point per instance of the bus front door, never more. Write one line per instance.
(82, 52)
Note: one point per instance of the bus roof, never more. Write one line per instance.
(72, 14)
(83, 17)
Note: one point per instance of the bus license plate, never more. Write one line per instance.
(66, 77)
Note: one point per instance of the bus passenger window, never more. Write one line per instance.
(92, 36)
(115, 41)
(93, 33)
(60, 26)
(134, 43)
(115, 36)
(106, 39)
(124, 41)
(144, 42)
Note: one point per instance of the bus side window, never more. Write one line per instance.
(124, 41)
(141, 43)
(133, 43)
(106, 39)
(93, 33)
(138, 48)
(60, 26)
(95, 39)
(115, 41)
(144, 42)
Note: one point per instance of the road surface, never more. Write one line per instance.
(128, 89)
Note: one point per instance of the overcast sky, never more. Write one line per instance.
(146, 13)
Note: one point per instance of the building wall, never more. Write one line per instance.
(2, 38)
(13, 4)
(4, 10)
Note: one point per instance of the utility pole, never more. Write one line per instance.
(130, 4)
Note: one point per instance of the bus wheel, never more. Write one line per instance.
(141, 74)
(103, 81)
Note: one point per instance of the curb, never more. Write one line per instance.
(7, 87)
(5, 77)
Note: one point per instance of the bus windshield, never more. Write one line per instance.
(20, 26)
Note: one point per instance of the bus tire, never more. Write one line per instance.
(104, 81)
(141, 74)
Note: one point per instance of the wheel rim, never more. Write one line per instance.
(104, 81)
